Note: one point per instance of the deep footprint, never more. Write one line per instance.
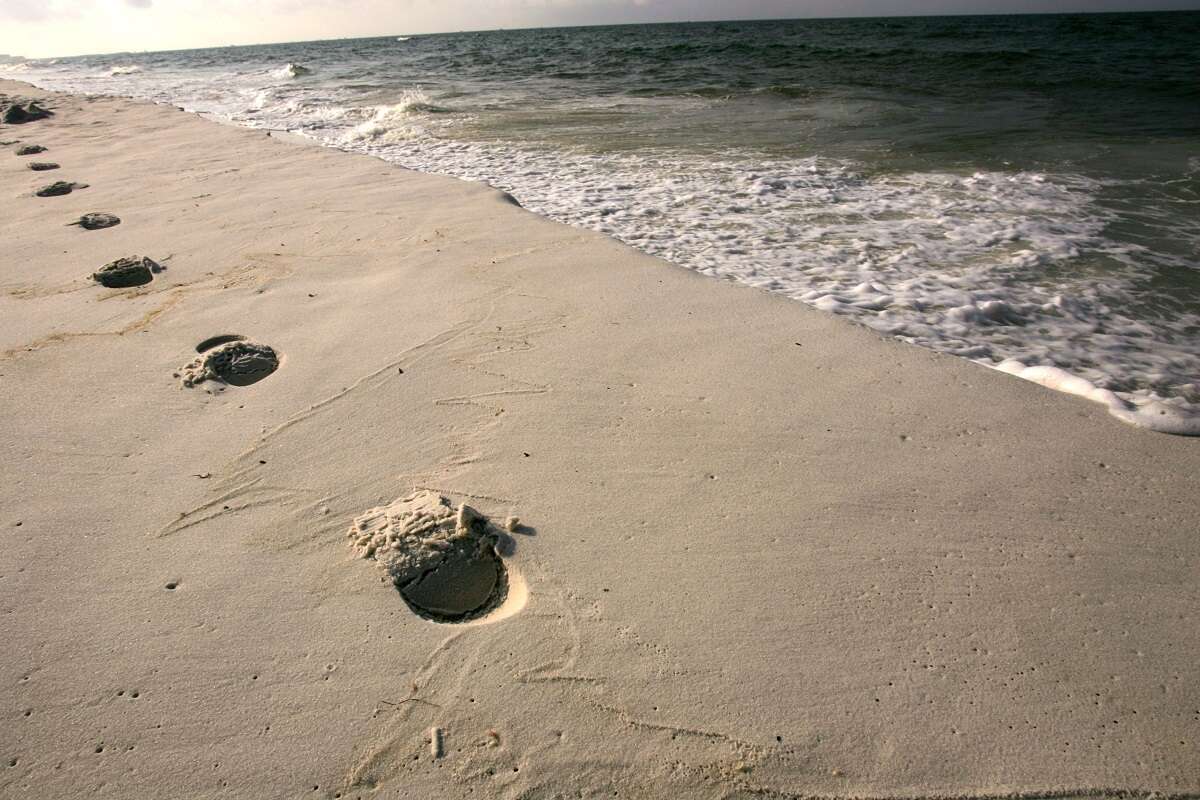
(96, 220)
(442, 560)
(59, 188)
(18, 114)
(236, 363)
(126, 272)
(42, 166)
(30, 150)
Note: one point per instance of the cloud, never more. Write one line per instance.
(24, 10)
(139, 3)
(30, 11)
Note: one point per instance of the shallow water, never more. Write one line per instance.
(998, 188)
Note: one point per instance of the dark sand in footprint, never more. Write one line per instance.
(97, 220)
(238, 362)
(126, 272)
(442, 559)
(59, 188)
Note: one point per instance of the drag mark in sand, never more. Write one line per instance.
(411, 355)
(473, 399)
(241, 481)
(242, 497)
(140, 323)
(374, 766)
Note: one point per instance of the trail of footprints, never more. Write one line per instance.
(442, 560)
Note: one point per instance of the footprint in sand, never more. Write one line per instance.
(18, 113)
(96, 220)
(443, 560)
(232, 360)
(126, 272)
(30, 150)
(59, 188)
(42, 166)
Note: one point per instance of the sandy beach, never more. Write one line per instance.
(759, 551)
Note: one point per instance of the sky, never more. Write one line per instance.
(41, 28)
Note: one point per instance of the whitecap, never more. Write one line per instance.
(393, 123)
(291, 70)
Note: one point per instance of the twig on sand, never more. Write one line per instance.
(412, 698)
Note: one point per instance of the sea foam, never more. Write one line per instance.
(393, 123)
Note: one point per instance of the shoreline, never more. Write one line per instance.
(765, 551)
(1173, 414)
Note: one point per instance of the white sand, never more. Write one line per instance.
(767, 553)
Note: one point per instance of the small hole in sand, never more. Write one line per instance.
(172, 585)
(214, 341)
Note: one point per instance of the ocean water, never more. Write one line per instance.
(1023, 191)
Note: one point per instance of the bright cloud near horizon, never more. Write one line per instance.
(41, 28)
